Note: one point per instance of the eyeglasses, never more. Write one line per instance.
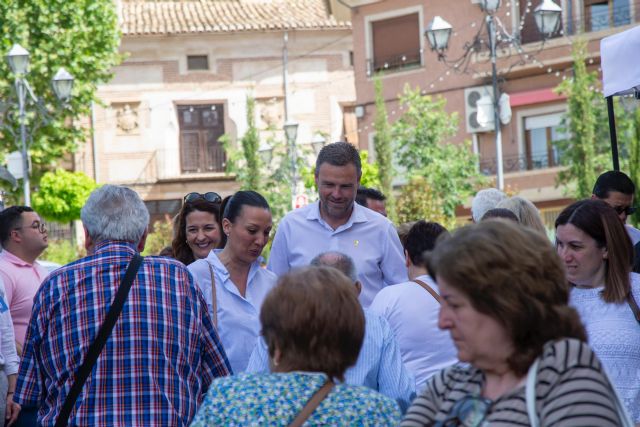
(470, 411)
(40, 226)
(209, 196)
(627, 210)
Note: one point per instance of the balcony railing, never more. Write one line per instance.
(488, 166)
(399, 62)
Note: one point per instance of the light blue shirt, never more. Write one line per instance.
(379, 365)
(412, 313)
(238, 317)
(367, 237)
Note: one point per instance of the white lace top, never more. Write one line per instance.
(614, 335)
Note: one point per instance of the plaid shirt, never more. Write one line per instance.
(155, 367)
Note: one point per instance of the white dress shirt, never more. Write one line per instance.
(412, 313)
(238, 316)
(367, 237)
(8, 356)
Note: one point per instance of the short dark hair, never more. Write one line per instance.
(613, 181)
(11, 218)
(314, 318)
(181, 250)
(512, 274)
(339, 154)
(233, 207)
(600, 221)
(422, 237)
(499, 213)
(365, 193)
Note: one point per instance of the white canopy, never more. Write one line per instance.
(620, 55)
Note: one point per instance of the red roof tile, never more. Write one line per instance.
(146, 17)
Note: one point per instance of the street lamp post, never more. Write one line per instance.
(62, 82)
(547, 18)
(291, 133)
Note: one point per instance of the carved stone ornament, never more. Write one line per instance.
(127, 118)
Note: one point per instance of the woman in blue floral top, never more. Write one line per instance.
(313, 325)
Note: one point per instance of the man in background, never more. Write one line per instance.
(23, 235)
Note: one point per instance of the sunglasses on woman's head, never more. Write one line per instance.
(209, 196)
(470, 411)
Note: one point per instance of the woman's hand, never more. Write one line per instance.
(12, 411)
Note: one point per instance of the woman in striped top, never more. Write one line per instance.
(505, 305)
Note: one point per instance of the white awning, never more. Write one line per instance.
(620, 55)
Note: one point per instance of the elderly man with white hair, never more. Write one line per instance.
(379, 365)
(157, 361)
(484, 201)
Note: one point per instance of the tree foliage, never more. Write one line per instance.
(79, 35)
(250, 143)
(62, 194)
(419, 201)
(382, 143)
(448, 171)
(160, 237)
(584, 151)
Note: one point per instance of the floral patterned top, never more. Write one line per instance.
(276, 399)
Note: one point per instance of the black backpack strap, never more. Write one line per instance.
(101, 339)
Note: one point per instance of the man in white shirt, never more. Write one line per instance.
(412, 309)
(336, 223)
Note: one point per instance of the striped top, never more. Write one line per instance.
(571, 390)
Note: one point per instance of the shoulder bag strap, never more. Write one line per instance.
(98, 343)
(214, 298)
(428, 289)
(312, 404)
(634, 306)
(530, 393)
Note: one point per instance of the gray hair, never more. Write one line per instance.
(485, 200)
(113, 212)
(342, 262)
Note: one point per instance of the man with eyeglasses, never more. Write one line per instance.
(23, 235)
(616, 189)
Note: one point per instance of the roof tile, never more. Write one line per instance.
(143, 17)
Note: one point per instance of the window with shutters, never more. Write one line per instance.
(529, 32)
(396, 43)
(201, 127)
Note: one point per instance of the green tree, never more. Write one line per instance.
(160, 237)
(82, 36)
(62, 194)
(584, 151)
(449, 171)
(418, 201)
(370, 172)
(247, 161)
(382, 143)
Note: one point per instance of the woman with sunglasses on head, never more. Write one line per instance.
(596, 251)
(505, 304)
(231, 279)
(197, 227)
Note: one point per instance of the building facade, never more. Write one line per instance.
(188, 71)
(389, 38)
